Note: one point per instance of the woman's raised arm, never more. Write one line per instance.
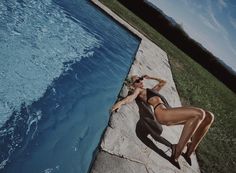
(159, 85)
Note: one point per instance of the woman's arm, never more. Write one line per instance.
(159, 85)
(126, 100)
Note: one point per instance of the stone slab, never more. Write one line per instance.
(107, 163)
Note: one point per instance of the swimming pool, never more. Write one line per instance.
(62, 66)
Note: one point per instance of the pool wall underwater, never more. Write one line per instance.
(62, 66)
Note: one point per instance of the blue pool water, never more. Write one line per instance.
(62, 64)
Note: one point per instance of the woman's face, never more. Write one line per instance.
(138, 82)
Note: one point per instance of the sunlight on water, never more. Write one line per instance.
(36, 41)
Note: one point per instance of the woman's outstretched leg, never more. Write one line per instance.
(200, 133)
(190, 117)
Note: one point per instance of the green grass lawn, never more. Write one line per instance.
(197, 87)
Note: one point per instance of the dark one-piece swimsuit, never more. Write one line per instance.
(151, 93)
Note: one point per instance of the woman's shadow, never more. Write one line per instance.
(148, 125)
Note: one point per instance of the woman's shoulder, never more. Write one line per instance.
(141, 89)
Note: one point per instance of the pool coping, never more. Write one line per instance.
(118, 19)
(129, 161)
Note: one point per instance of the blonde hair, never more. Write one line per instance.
(130, 81)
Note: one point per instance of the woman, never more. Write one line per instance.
(196, 121)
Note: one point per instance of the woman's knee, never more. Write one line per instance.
(209, 118)
(200, 114)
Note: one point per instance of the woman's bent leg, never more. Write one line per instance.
(190, 117)
(200, 132)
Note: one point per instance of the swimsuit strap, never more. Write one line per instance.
(158, 105)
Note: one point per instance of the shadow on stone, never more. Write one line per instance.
(147, 125)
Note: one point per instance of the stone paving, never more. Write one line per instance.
(122, 151)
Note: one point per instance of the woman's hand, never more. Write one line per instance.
(115, 108)
(146, 77)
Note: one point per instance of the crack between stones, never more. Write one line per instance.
(122, 157)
